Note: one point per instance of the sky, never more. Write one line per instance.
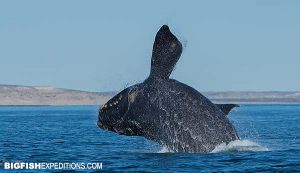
(107, 45)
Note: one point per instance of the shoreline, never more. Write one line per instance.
(39, 105)
(14, 95)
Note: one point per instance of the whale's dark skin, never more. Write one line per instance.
(165, 110)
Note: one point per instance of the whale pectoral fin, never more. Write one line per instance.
(226, 108)
(165, 54)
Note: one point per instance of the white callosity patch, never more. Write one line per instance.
(133, 94)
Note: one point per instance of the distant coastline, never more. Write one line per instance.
(14, 95)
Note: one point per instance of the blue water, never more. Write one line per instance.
(270, 141)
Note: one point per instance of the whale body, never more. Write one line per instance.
(168, 111)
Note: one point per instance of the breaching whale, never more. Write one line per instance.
(167, 111)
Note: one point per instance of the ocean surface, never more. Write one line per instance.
(270, 141)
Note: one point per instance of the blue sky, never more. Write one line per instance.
(106, 45)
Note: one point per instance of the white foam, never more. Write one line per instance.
(231, 147)
(238, 146)
(165, 149)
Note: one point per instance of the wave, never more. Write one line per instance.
(239, 146)
(231, 147)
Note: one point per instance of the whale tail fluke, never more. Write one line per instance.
(226, 108)
(165, 54)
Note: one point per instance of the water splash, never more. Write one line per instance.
(231, 147)
(239, 146)
(165, 149)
